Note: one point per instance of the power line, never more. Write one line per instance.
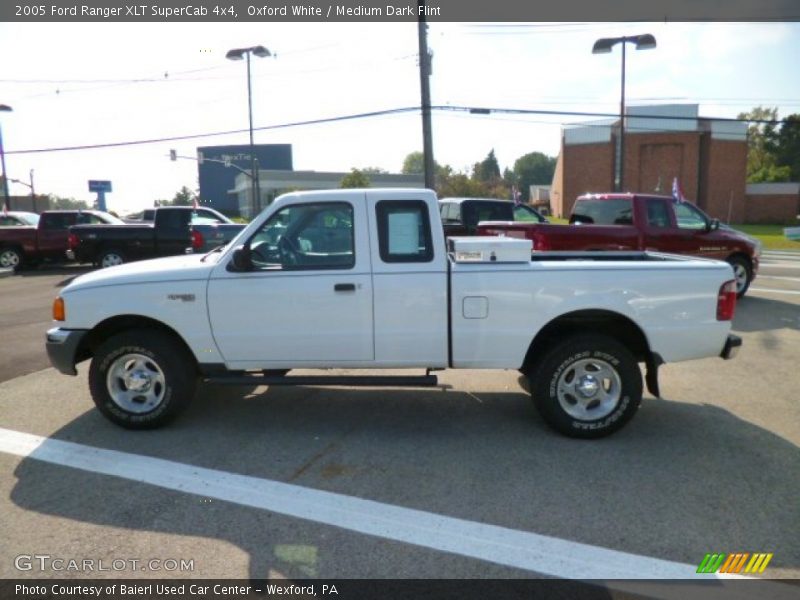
(217, 133)
(395, 111)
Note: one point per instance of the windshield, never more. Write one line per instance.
(111, 219)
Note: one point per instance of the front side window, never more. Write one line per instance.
(689, 217)
(525, 214)
(306, 236)
(404, 231)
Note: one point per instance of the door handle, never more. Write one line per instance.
(344, 287)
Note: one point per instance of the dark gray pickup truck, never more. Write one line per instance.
(174, 230)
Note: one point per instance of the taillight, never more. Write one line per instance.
(197, 240)
(59, 310)
(726, 301)
(540, 242)
(72, 241)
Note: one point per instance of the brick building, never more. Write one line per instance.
(708, 156)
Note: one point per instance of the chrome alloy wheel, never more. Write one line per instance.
(589, 389)
(136, 383)
(111, 259)
(9, 259)
(740, 274)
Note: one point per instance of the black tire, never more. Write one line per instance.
(11, 257)
(160, 379)
(612, 386)
(742, 273)
(110, 257)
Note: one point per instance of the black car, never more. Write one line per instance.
(460, 216)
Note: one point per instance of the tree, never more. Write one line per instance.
(787, 146)
(414, 164)
(373, 170)
(760, 144)
(488, 170)
(355, 179)
(532, 169)
(59, 203)
(184, 197)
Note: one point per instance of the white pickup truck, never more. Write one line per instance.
(365, 279)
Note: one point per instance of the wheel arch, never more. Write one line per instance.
(121, 323)
(610, 323)
(743, 255)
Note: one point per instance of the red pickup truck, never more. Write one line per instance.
(26, 245)
(641, 222)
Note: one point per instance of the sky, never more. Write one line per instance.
(76, 84)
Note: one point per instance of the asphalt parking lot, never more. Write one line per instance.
(462, 481)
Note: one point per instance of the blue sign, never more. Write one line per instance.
(217, 180)
(99, 186)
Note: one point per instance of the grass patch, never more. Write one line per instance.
(770, 235)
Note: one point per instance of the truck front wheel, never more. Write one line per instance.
(141, 380)
(587, 386)
(743, 272)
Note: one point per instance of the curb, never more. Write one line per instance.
(6, 273)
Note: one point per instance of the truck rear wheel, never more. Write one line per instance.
(11, 258)
(110, 257)
(142, 379)
(587, 386)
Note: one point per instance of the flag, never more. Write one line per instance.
(677, 192)
(515, 195)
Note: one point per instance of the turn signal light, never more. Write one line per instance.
(726, 301)
(59, 311)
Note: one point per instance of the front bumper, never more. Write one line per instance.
(732, 345)
(62, 348)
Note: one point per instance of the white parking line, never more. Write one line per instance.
(774, 291)
(513, 548)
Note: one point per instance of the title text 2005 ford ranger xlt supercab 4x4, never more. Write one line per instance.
(363, 279)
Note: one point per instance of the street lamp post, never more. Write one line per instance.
(30, 187)
(4, 108)
(239, 54)
(644, 41)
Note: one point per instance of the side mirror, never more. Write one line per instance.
(241, 260)
(713, 225)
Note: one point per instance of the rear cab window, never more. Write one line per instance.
(404, 231)
(594, 211)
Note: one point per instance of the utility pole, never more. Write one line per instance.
(425, 88)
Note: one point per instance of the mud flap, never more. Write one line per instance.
(651, 377)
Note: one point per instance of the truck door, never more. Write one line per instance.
(52, 233)
(307, 300)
